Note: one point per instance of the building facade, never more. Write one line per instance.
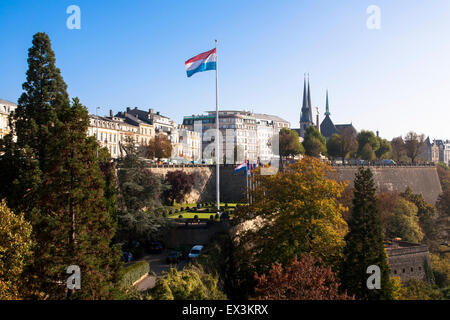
(430, 151)
(328, 128)
(6, 107)
(189, 145)
(244, 135)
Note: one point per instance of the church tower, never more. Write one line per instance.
(306, 112)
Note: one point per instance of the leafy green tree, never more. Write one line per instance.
(140, 206)
(365, 243)
(15, 250)
(365, 138)
(367, 153)
(289, 143)
(191, 283)
(334, 146)
(398, 148)
(140, 189)
(403, 222)
(343, 144)
(384, 150)
(419, 290)
(294, 212)
(414, 144)
(55, 180)
(426, 213)
(315, 143)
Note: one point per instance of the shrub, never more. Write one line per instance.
(176, 210)
(170, 212)
(191, 283)
(198, 206)
(196, 217)
(181, 209)
(164, 214)
(211, 217)
(132, 273)
(180, 216)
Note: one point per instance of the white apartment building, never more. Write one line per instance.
(6, 107)
(245, 134)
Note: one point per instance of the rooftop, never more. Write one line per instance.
(3, 101)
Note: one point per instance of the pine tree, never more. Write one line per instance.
(365, 243)
(53, 176)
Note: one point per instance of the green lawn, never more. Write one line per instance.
(199, 212)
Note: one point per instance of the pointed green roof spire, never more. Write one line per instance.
(327, 113)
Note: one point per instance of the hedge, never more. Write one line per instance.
(134, 272)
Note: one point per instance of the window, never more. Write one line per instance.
(412, 269)
(403, 270)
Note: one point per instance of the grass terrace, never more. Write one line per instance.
(201, 211)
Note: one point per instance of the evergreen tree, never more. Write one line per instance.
(365, 243)
(52, 174)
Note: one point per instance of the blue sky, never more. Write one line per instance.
(132, 53)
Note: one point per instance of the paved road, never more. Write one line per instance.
(157, 265)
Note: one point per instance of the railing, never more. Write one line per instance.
(398, 165)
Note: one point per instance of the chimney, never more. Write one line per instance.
(378, 133)
(110, 113)
(151, 111)
(128, 109)
(157, 113)
(135, 108)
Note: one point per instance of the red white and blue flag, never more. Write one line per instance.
(241, 167)
(203, 62)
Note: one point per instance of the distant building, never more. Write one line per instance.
(444, 150)
(407, 260)
(245, 134)
(430, 151)
(189, 144)
(6, 107)
(328, 128)
(306, 118)
(267, 126)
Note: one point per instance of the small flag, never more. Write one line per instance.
(241, 167)
(203, 62)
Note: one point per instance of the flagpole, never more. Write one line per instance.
(217, 137)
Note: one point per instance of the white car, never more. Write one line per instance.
(195, 251)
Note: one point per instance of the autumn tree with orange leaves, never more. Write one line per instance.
(303, 279)
(297, 211)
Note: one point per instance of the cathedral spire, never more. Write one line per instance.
(309, 103)
(305, 100)
(327, 113)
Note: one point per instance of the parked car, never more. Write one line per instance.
(173, 257)
(388, 162)
(156, 247)
(126, 256)
(195, 251)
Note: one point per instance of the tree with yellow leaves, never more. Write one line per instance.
(294, 212)
(15, 248)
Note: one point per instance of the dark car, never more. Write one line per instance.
(173, 257)
(126, 256)
(156, 247)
